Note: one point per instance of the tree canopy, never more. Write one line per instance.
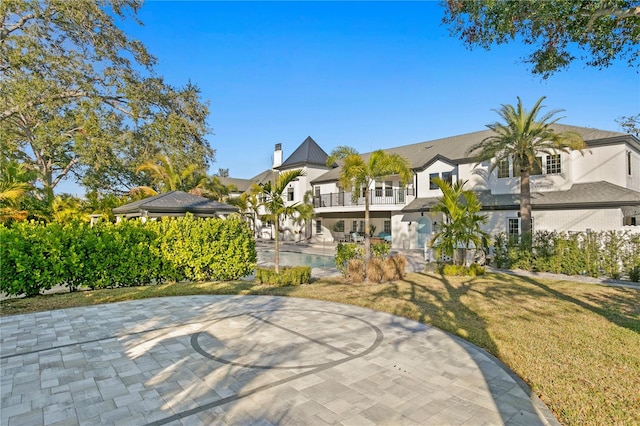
(80, 98)
(604, 30)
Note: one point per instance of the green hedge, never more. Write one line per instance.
(287, 276)
(612, 254)
(35, 256)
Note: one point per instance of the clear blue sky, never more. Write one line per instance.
(365, 74)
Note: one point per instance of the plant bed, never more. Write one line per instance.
(287, 276)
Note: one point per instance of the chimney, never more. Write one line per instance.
(277, 156)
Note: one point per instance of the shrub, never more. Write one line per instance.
(374, 271)
(346, 252)
(379, 250)
(394, 267)
(287, 276)
(355, 271)
(459, 270)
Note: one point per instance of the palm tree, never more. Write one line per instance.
(521, 137)
(167, 178)
(276, 207)
(15, 183)
(358, 173)
(249, 205)
(462, 225)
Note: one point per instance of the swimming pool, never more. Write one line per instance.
(289, 258)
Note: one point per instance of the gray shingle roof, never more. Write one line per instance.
(455, 148)
(307, 153)
(582, 195)
(241, 185)
(175, 202)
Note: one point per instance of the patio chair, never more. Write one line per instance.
(357, 238)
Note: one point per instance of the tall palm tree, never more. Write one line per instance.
(358, 173)
(249, 205)
(462, 225)
(276, 207)
(521, 137)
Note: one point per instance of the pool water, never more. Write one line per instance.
(288, 258)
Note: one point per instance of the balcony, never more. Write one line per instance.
(376, 197)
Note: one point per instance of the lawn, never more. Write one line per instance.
(576, 345)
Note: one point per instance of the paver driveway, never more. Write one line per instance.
(249, 360)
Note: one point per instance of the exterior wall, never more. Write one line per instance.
(602, 163)
(439, 167)
(633, 179)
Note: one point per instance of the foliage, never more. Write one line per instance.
(461, 229)
(211, 249)
(460, 270)
(520, 138)
(595, 254)
(37, 256)
(360, 173)
(81, 98)
(630, 124)
(14, 185)
(355, 271)
(379, 250)
(604, 30)
(276, 206)
(287, 276)
(344, 253)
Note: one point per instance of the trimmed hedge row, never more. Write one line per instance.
(607, 253)
(287, 276)
(36, 256)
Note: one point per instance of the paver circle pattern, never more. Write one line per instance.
(249, 360)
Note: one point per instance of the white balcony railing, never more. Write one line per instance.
(376, 197)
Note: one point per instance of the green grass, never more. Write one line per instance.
(576, 345)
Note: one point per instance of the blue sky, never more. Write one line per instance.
(365, 74)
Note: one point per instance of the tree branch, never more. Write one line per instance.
(4, 32)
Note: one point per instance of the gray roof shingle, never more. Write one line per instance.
(582, 195)
(175, 202)
(309, 152)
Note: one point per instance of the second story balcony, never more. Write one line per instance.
(377, 197)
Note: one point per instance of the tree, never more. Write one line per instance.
(80, 98)
(249, 205)
(276, 207)
(14, 186)
(606, 30)
(630, 124)
(360, 173)
(461, 228)
(521, 138)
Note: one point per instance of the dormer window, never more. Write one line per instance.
(554, 164)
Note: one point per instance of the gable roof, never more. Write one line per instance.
(455, 148)
(581, 195)
(241, 185)
(174, 202)
(309, 152)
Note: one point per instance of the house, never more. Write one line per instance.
(173, 203)
(595, 189)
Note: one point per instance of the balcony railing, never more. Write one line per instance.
(376, 197)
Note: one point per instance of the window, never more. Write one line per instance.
(339, 226)
(378, 189)
(554, 166)
(318, 227)
(447, 177)
(629, 163)
(387, 226)
(290, 194)
(629, 221)
(361, 226)
(317, 189)
(536, 167)
(354, 226)
(503, 169)
(513, 228)
(388, 189)
(432, 184)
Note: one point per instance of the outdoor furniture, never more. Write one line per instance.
(385, 236)
(357, 238)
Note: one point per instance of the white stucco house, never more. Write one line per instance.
(595, 189)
